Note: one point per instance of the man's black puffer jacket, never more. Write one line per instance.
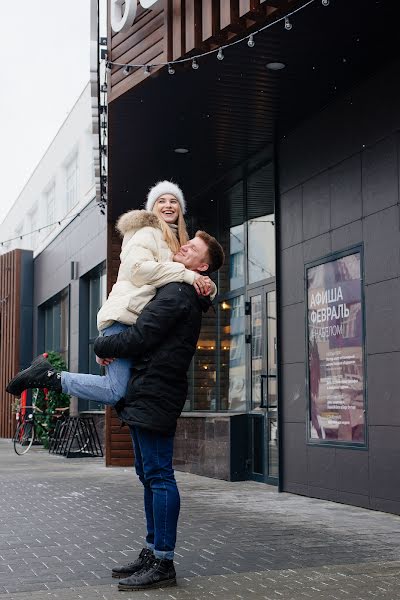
(161, 344)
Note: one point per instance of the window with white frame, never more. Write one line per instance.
(50, 198)
(33, 226)
(72, 182)
(18, 234)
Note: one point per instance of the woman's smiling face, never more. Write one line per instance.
(168, 208)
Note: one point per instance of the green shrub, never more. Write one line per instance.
(46, 423)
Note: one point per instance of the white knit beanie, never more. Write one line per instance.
(165, 187)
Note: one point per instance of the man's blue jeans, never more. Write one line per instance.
(153, 463)
(108, 389)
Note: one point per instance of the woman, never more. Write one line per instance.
(150, 239)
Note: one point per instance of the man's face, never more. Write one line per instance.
(193, 255)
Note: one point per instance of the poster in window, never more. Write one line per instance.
(336, 351)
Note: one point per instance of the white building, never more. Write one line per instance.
(62, 184)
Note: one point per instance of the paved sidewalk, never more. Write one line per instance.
(66, 522)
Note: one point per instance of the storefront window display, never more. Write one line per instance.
(336, 350)
(232, 354)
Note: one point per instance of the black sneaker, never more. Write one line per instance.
(159, 573)
(41, 374)
(134, 567)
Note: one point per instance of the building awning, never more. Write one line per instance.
(227, 111)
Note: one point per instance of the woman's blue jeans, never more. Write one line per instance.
(107, 389)
(153, 464)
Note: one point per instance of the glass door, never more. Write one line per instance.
(263, 422)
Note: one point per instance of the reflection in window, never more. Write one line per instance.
(232, 354)
(202, 377)
(56, 324)
(261, 248)
(257, 350)
(236, 248)
(97, 296)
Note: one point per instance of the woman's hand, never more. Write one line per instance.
(202, 284)
(104, 362)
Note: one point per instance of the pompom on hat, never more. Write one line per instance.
(165, 187)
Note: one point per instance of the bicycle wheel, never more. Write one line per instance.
(23, 437)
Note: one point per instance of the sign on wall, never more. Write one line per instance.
(123, 13)
(335, 318)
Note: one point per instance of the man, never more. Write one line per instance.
(161, 345)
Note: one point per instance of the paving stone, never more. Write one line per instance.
(66, 523)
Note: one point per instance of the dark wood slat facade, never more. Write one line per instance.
(176, 28)
(12, 340)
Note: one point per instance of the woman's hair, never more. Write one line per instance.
(173, 242)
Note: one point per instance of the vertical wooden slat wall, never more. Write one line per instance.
(118, 440)
(175, 28)
(10, 290)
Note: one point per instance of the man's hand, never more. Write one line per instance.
(202, 284)
(104, 362)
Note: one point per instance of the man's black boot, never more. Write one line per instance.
(159, 573)
(134, 567)
(41, 374)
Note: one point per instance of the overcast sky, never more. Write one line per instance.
(45, 66)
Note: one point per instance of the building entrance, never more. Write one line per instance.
(263, 384)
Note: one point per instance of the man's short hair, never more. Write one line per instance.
(216, 255)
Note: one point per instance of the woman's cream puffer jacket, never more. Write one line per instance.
(146, 264)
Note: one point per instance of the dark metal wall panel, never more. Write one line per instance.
(335, 195)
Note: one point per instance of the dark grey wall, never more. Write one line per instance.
(339, 180)
(84, 241)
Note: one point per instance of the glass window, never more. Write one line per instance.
(33, 226)
(203, 386)
(97, 293)
(232, 238)
(97, 296)
(257, 350)
(72, 183)
(261, 224)
(261, 248)
(236, 257)
(232, 355)
(56, 324)
(50, 207)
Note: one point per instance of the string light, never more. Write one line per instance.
(127, 70)
(220, 54)
(288, 25)
(194, 59)
(147, 70)
(67, 218)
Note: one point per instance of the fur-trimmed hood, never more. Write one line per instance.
(133, 220)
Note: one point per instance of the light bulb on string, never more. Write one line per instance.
(147, 70)
(108, 66)
(127, 70)
(288, 25)
(325, 2)
(220, 54)
(195, 64)
(171, 69)
(251, 43)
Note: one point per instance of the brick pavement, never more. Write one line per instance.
(65, 523)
